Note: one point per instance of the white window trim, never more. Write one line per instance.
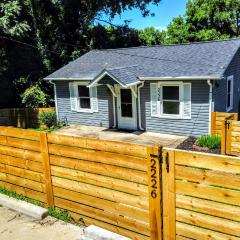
(171, 116)
(230, 78)
(85, 110)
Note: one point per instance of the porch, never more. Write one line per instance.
(138, 137)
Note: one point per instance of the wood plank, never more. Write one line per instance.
(24, 191)
(154, 183)
(20, 143)
(178, 237)
(201, 233)
(26, 183)
(100, 215)
(20, 133)
(229, 138)
(86, 221)
(20, 153)
(169, 195)
(222, 195)
(47, 169)
(23, 173)
(209, 222)
(108, 194)
(101, 145)
(223, 139)
(204, 176)
(102, 169)
(99, 157)
(208, 207)
(99, 180)
(115, 207)
(213, 123)
(21, 163)
(208, 161)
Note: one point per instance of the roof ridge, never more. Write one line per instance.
(170, 45)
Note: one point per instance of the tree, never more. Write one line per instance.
(151, 36)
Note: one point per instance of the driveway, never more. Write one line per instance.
(146, 138)
(16, 226)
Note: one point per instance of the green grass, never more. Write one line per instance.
(20, 197)
(61, 215)
(45, 129)
(209, 141)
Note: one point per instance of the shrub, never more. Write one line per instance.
(34, 97)
(209, 141)
(49, 119)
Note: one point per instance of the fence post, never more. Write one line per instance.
(169, 195)
(213, 123)
(46, 169)
(154, 187)
(229, 138)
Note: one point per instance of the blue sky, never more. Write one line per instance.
(164, 13)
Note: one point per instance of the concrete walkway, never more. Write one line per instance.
(137, 137)
(16, 226)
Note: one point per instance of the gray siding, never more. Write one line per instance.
(220, 92)
(196, 126)
(104, 116)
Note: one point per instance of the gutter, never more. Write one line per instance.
(139, 108)
(210, 104)
(55, 98)
(180, 78)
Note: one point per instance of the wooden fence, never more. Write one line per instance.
(218, 120)
(98, 182)
(21, 117)
(201, 196)
(142, 192)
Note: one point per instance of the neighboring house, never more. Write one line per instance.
(165, 89)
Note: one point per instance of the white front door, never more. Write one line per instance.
(127, 109)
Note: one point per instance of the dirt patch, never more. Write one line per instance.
(16, 226)
(189, 143)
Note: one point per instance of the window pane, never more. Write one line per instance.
(126, 95)
(126, 109)
(83, 91)
(229, 100)
(229, 86)
(170, 92)
(171, 107)
(85, 103)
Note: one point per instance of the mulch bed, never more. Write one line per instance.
(189, 143)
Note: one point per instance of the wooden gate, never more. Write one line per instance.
(201, 195)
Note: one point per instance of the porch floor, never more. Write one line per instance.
(138, 137)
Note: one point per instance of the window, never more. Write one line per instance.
(126, 103)
(84, 97)
(170, 100)
(229, 93)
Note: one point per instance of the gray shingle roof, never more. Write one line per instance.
(128, 64)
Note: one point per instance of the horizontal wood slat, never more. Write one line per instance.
(100, 145)
(102, 169)
(103, 216)
(111, 206)
(99, 157)
(20, 143)
(198, 233)
(99, 180)
(20, 133)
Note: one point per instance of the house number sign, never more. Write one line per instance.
(153, 178)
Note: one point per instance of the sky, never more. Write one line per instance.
(164, 13)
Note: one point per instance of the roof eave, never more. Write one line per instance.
(181, 78)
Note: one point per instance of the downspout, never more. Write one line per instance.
(210, 104)
(139, 107)
(55, 98)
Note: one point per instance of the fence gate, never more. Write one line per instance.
(200, 196)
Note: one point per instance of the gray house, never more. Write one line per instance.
(165, 89)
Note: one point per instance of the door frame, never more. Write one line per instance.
(134, 108)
